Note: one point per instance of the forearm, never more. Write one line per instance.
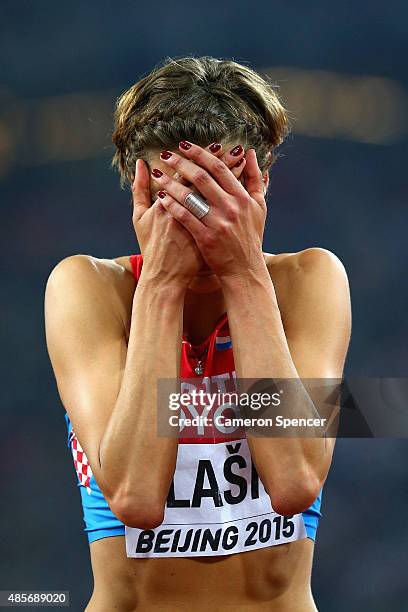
(260, 346)
(132, 456)
(261, 351)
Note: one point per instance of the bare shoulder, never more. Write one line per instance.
(92, 268)
(94, 273)
(108, 283)
(311, 260)
(295, 275)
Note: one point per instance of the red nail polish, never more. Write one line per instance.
(236, 150)
(157, 173)
(166, 154)
(162, 194)
(214, 147)
(185, 145)
(239, 162)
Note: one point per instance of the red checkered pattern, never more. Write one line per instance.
(82, 467)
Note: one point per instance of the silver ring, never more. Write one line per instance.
(196, 205)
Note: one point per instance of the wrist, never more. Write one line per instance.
(167, 292)
(250, 289)
(162, 282)
(246, 278)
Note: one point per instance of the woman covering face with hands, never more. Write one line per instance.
(143, 189)
(207, 515)
(230, 234)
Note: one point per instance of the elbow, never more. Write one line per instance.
(139, 513)
(289, 506)
(293, 497)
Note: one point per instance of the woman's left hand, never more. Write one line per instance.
(230, 235)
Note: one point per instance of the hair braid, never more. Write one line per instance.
(202, 100)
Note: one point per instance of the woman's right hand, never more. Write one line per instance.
(170, 254)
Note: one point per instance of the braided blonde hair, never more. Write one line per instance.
(203, 100)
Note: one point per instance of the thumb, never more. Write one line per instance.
(141, 190)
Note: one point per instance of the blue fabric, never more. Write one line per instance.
(312, 515)
(100, 522)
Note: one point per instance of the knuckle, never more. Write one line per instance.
(223, 228)
(176, 161)
(164, 179)
(231, 213)
(219, 167)
(182, 215)
(208, 241)
(201, 177)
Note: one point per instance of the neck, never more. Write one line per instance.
(203, 305)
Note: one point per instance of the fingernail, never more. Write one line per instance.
(166, 154)
(157, 173)
(184, 144)
(241, 161)
(214, 147)
(236, 150)
(162, 194)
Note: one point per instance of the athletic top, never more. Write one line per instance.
(217, 504)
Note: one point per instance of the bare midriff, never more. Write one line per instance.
(275, 578)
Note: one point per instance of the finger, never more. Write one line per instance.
(202, 180)
(196, 228)
(216, 149)
(229, 160)
(213, 166)
(253, 178)
(237, 169)
(141, 190)
(177, 191)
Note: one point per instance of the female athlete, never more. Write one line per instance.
(187, 522)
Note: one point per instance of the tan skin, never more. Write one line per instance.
(311, 291)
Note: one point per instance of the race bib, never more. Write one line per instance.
(217, 505)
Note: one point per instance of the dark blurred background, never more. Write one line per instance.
(341, 183)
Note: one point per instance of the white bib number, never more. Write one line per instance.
(217, 505)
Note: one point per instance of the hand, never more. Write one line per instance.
(230, 236)
(169, 251)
